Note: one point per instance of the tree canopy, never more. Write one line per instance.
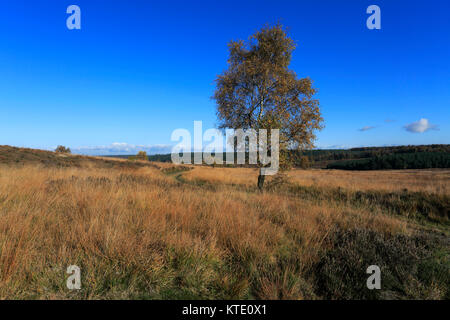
(259, 91)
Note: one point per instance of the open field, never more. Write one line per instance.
(152, 231)
(435, 181)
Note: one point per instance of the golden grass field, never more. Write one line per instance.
(429, 181)
(151, 233)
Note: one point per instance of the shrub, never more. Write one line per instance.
(62, 149)
(304, 162)
(142, 155)
(408, 267)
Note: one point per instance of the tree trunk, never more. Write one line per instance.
(261, 178)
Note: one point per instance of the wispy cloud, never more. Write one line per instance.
(123, 148)
(389, 120)
(420, 126)
(367, 128)
(335, 146)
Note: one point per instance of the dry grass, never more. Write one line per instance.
(242, 176)
(138, 233)
(436, 181)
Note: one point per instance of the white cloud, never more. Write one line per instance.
(420, 126)
(366, 128)
(123, 148)
(334, 146)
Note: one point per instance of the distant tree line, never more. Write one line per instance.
(419, 160)
(370, 152)
(160, 157)
(370, 158)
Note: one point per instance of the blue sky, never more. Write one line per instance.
(137, 70)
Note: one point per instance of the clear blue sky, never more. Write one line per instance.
(137, 70)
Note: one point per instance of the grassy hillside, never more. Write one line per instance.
(155, 230)
(24, 156)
